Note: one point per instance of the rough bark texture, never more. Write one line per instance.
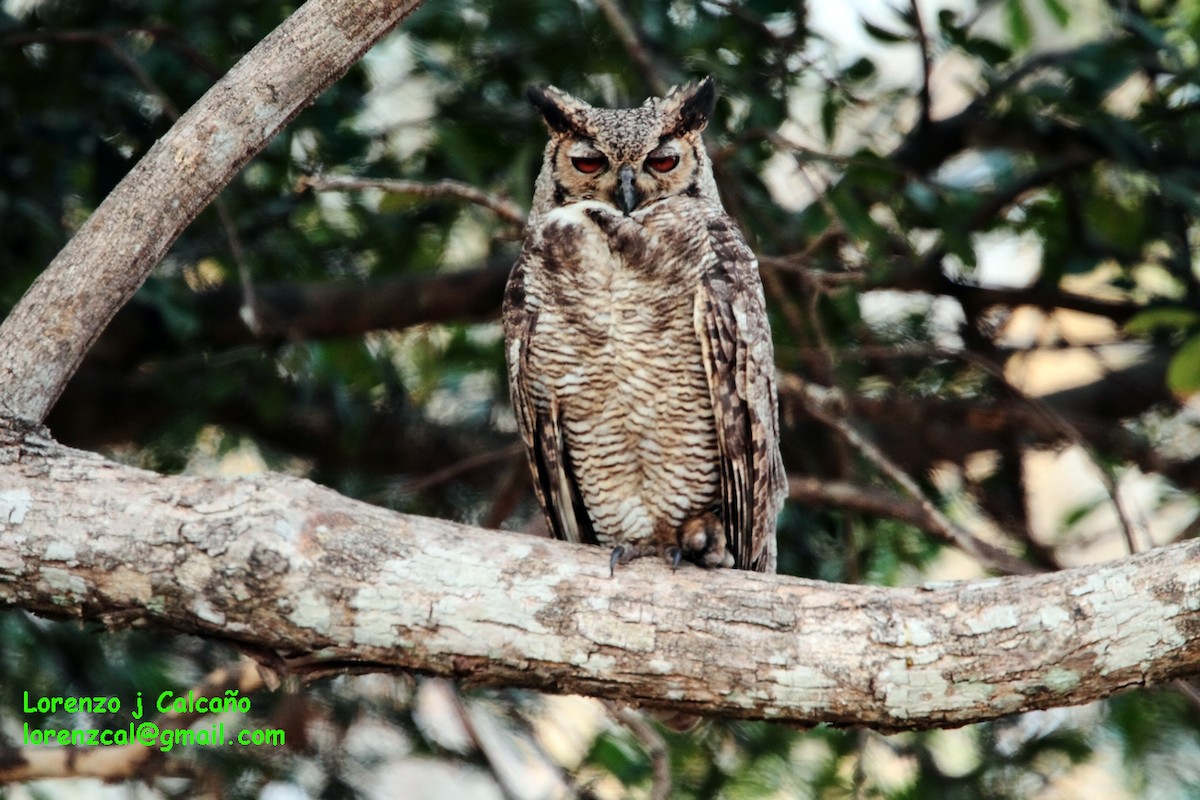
(287, 567)
(47, 335)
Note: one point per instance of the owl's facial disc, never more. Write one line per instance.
(628, 166)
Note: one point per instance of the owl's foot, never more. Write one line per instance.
(622, 554)
(675, 556)
(617, 553)
(702, 539)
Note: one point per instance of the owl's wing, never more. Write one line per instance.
(731, 322)
(540, 428)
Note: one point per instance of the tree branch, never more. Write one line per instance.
(322, 310)
(828, 406)
(501, 206)
(882, 503)
(281, 565)
(138, 338)
(46, 336)
(313, 422)
(627, 34)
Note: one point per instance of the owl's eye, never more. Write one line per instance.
(589, 164)
(662, 163)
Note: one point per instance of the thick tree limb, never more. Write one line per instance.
(282, 565)
(46, 336)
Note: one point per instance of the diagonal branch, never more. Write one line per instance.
(44, 339)
(882, 503)
(279, 565)
(826, 405)
(625, 31)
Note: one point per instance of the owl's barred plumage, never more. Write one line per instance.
(639, 353)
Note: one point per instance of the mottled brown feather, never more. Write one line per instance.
(553, 481)
(739, 364)
(638, 347)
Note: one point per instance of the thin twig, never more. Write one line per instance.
(624, 30)
(860, 772)
(510, 489)
(249, 311)
(141, 75)
(926, 63)
(749, 19)
(656, 749)
(926, 278)
(1190, 531)
(776, 291)
(495, 761)
(816, 291)
(167, 33)
(462, 467)
(503, 207)
(109, 43)
(1189, 691)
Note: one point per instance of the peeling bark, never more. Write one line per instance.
(327, 583)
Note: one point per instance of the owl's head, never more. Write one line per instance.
(628, 157)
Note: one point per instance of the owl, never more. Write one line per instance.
(639, 353)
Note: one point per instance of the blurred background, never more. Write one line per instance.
(976, 223)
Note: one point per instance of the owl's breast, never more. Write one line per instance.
(615, 345)
(613, 290)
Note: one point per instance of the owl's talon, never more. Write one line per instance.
(615, 559)
(675, 554)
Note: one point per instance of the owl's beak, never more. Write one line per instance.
(627, 194)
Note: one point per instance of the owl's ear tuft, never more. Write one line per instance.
(559, 109)
(693, 105)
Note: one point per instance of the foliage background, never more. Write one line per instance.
(977, 222)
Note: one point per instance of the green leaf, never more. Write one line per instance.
(949, 25)
(1076, 515)
(1153, 319)
(831, 107)
(883, 34)
(620, 758)
(1183, 373)
(1020, 27)
(860, 70)
(1058, 11)
(855, 217)
(994, 53)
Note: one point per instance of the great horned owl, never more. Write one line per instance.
(639, 353)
